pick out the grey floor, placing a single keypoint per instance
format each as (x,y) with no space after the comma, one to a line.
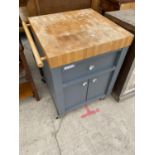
(108,132)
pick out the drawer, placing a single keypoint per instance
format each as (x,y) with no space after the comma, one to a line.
(75,94)
(89,66)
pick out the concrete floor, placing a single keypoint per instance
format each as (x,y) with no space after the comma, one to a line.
(108,132)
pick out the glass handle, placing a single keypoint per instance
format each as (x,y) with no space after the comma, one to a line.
(94,80)
(84,84)
(91,67)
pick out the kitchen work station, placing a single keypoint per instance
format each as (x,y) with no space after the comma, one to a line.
(83,53)
(75,58)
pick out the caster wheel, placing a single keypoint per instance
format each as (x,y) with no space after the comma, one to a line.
(57,117)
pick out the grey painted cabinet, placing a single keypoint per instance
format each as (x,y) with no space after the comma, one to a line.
(85,90)
(82,59)
(77,84)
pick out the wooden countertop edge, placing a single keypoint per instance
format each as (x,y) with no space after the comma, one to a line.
(76,56)
(72,57)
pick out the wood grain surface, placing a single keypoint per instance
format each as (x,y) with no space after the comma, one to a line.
(125,6)
(95,4)
(42,7)
(76,35)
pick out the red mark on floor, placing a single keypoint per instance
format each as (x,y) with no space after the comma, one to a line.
(89,112)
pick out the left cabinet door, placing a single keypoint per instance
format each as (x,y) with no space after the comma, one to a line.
(75,94)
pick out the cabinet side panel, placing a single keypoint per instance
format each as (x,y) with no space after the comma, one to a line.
(58,90)
(118,67)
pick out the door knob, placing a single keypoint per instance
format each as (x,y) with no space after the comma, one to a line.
(94,80)
(84,84)
(91,67)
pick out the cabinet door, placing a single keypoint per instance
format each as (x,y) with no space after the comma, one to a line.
(75,94)
(99,85)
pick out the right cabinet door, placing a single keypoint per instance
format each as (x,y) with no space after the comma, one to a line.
(98,85)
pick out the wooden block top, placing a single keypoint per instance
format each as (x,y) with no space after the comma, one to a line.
(76,35)
(125,18)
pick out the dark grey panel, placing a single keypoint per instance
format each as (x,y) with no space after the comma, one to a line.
(48,78)
(85,103)
(120,60)
(98,85)
(75,94)
(88,66)
(57,90)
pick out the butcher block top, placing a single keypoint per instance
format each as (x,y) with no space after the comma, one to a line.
(71,36)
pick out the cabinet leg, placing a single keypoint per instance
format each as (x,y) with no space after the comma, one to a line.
(41,72)
(58,117)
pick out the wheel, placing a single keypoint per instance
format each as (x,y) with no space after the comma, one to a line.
(57,117)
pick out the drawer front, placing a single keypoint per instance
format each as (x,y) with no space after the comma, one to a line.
(75,94)
(99,85)
(88,66)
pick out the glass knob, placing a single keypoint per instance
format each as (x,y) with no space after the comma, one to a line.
(91,67)
(94,80)
(84,84)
